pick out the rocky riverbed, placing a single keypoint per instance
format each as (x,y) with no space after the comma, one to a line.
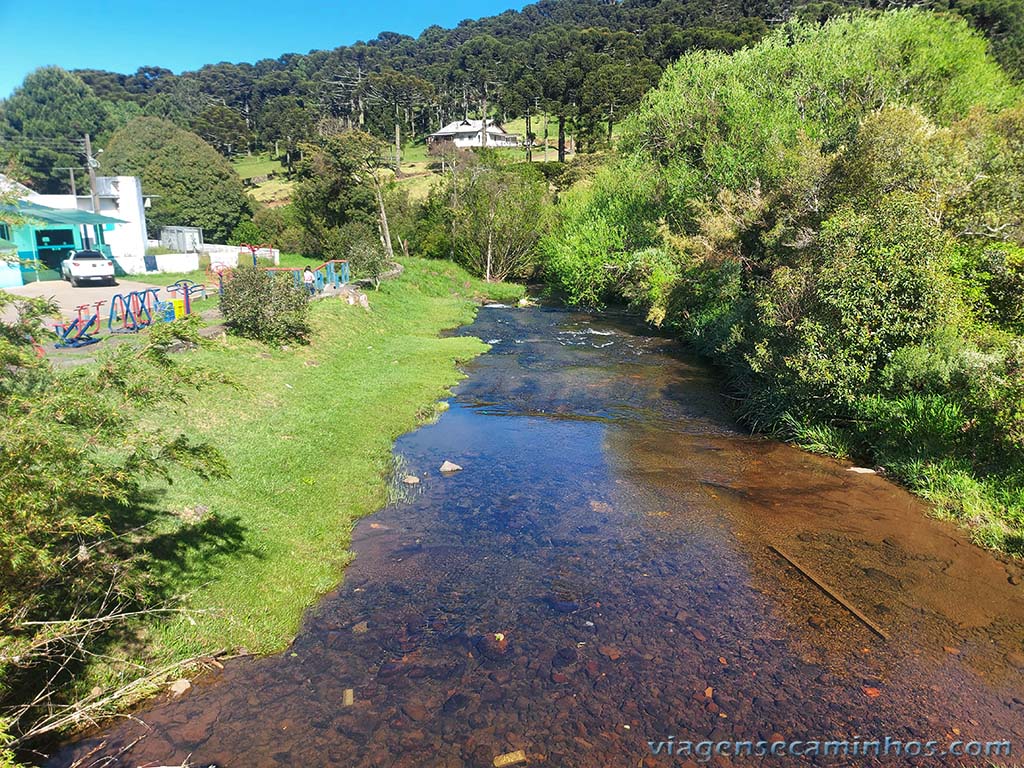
(603,576)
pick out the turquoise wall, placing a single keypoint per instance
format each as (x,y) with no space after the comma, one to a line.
(10,275)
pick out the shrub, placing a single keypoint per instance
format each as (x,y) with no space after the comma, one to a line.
(265,306)
(367,259)
(76,518)
(247,233)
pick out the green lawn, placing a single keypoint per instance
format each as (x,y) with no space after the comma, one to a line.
(419,186)
(308,436)
(248,166)
(273,191)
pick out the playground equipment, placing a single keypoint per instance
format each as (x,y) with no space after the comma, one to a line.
(187,289)
(222,272)
(134,310)
(79,332)
(254,249)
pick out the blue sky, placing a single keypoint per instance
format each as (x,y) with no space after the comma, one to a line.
(185,34)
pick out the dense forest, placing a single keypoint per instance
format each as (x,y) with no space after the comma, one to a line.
(587,63)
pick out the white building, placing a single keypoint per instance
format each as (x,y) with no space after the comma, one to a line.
(466,134)
(120,198)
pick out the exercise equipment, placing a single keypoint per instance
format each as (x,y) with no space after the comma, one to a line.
(334,272)
(134,310)
(79,332)
(187,289)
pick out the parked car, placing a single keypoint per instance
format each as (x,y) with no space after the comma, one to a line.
(87,267)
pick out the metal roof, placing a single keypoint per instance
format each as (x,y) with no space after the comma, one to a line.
(34,211)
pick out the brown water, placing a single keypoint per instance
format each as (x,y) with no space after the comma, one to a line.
(614,526)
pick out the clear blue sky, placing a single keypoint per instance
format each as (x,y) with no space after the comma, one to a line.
(185,34)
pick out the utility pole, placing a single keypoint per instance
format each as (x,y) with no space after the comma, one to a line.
(92,164)
(71,175)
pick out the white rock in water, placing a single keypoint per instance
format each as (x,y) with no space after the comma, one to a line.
(862,470)
(411,480)
(450,467)
(179,687)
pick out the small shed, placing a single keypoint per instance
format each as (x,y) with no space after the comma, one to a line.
(182,239)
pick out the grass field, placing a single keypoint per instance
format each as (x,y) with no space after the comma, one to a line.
(273,191)
(416,165)
(248,166)
(308,435)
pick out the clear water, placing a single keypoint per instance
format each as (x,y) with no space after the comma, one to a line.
(599,576)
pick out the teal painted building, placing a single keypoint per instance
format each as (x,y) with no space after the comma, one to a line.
(45,237)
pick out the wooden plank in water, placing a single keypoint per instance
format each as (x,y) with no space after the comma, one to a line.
(831,593)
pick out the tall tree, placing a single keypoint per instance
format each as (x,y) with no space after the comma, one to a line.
(497,216)
(43,123)
(223,128)
(342,185)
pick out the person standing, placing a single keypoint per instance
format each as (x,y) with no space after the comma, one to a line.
(309,280)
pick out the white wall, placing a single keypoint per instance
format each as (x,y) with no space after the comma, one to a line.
(120,198)
(126,241)
(177,262)
(220,255)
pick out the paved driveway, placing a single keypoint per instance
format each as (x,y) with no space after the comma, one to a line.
(69,298)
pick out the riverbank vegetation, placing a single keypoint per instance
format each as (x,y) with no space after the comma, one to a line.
(833,217)
(217,514)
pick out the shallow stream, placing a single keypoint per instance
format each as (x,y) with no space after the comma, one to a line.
(605,572)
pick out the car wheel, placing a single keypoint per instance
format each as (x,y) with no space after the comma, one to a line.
(73,280)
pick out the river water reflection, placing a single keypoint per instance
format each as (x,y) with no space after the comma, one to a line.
(601,575)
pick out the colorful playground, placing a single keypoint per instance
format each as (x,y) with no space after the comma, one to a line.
(90,314)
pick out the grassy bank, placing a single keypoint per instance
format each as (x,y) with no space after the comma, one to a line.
(307,435)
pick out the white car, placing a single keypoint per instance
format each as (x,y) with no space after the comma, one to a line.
(87,267)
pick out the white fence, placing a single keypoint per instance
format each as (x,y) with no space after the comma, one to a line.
(220,256)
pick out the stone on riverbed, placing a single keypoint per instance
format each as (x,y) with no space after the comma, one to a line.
(411,480)
(448,467)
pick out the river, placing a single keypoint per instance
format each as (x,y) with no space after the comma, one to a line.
(608,577)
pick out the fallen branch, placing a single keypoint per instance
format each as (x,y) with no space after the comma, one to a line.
(90,710)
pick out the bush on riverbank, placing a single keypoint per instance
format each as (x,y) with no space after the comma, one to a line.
(833,217)
(76,523)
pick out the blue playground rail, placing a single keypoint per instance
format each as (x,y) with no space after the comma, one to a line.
(334,272)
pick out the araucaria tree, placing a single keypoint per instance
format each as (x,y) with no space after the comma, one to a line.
(497,214)
(42,126)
